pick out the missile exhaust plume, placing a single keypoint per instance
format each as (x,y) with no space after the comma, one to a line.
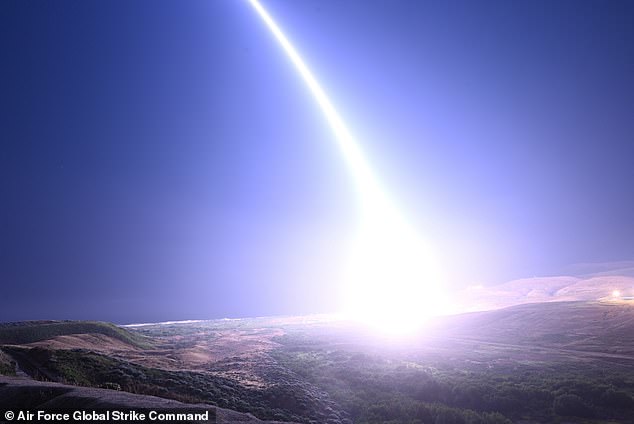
(391,276)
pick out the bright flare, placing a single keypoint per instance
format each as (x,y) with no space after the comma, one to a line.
(392,280)
(391,283)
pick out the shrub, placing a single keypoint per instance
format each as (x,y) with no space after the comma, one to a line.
(617,399)
(111,386)
(571,405)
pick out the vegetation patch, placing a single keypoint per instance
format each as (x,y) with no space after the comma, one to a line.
(7,365)
(290,400)
(380,389)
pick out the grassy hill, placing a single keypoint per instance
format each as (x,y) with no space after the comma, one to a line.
(606,327)
(35,331)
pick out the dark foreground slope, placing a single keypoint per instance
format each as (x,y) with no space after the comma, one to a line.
(24,394)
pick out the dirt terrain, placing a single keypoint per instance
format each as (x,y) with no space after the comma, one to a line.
(91,341)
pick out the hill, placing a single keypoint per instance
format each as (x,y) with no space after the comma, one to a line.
(587,288)
(606,327)
(36,331)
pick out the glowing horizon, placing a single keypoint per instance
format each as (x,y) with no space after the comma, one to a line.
(392,279)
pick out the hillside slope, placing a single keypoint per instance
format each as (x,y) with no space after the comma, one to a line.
(25,394)
(595,327)
(35,331)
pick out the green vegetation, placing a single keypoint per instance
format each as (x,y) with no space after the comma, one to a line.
(284,402)
(35,331)
(7,366)
(384,389)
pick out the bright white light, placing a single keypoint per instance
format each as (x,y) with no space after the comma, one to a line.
(350,149)
(616,293)
(392,280)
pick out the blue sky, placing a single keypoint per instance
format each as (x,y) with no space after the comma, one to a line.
(163,160)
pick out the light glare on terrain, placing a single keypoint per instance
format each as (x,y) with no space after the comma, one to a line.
(391,280)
